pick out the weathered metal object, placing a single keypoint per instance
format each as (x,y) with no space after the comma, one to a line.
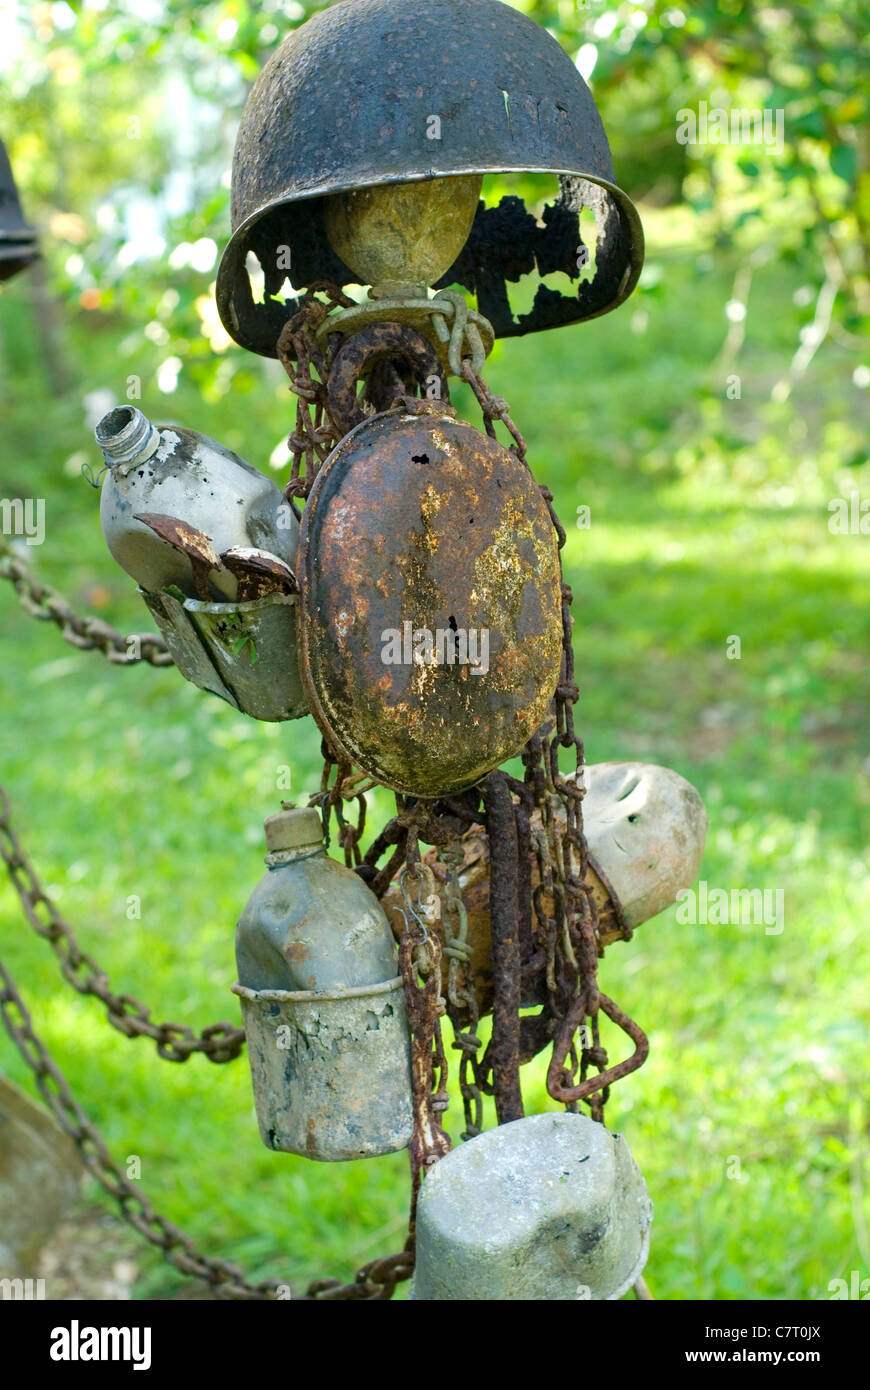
(550,1207)
(323,1004)
(645,828)
(18,245)
(193,543)
(450,328)
(375,92)
(504,948)
(39,1177)
(394,358)
(396,235)
(244,652)
(431,603)
(185,475)
(258,573)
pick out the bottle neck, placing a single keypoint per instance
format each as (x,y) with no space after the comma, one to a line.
(292,856)
(126,437)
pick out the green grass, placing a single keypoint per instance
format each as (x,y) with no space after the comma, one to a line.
(708,520)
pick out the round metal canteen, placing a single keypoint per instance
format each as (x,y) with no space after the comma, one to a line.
(431,604)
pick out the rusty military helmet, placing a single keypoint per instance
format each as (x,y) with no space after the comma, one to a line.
(370,93)
(431,632)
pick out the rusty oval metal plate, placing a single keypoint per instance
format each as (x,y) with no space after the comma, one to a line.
(431,603)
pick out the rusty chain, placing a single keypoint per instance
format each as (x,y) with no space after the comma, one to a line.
(570,936)
(87,633)
(220,1042)
(316,434)
(566,941)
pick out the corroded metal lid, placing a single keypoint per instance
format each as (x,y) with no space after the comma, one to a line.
(373,92)
(292,828)
(431,633)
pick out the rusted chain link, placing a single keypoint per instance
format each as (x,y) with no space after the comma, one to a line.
(220,1042)
(420,960)
(569,937)
(316,433)
(227,1279)
(504,1050)
(87,633)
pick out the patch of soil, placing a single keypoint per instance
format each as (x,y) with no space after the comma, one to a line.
(93,1257)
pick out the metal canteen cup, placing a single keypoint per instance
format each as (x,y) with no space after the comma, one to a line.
(323,1004)
(548,1207)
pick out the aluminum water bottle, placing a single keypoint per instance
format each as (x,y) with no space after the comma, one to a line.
(323,1003)
(179,473)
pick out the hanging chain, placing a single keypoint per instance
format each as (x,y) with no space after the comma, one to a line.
(375,1281)
(420,962)
(220,1042)
(567,939)
(227,1279)
(571,935)
(86,633)
(461,995)
(316,434)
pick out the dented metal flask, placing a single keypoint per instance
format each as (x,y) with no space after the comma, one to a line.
(212,543)
(323,1003)
(179,473)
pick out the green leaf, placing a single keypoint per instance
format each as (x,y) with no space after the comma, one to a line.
(844,162)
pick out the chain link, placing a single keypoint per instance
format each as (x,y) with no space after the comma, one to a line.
(87,633)
(220,1042)
(571,935)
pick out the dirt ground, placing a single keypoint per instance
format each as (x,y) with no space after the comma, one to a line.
(93,1257)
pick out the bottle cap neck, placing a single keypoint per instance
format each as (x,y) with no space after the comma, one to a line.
(294,828)
(277,857)
(126,437)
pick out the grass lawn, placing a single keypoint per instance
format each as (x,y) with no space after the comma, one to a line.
(708,521)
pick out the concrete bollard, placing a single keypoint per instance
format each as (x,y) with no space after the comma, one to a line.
(548,1207)
(39,1176)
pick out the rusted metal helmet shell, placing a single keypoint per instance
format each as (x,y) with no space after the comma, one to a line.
(415,523)
(347,102)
